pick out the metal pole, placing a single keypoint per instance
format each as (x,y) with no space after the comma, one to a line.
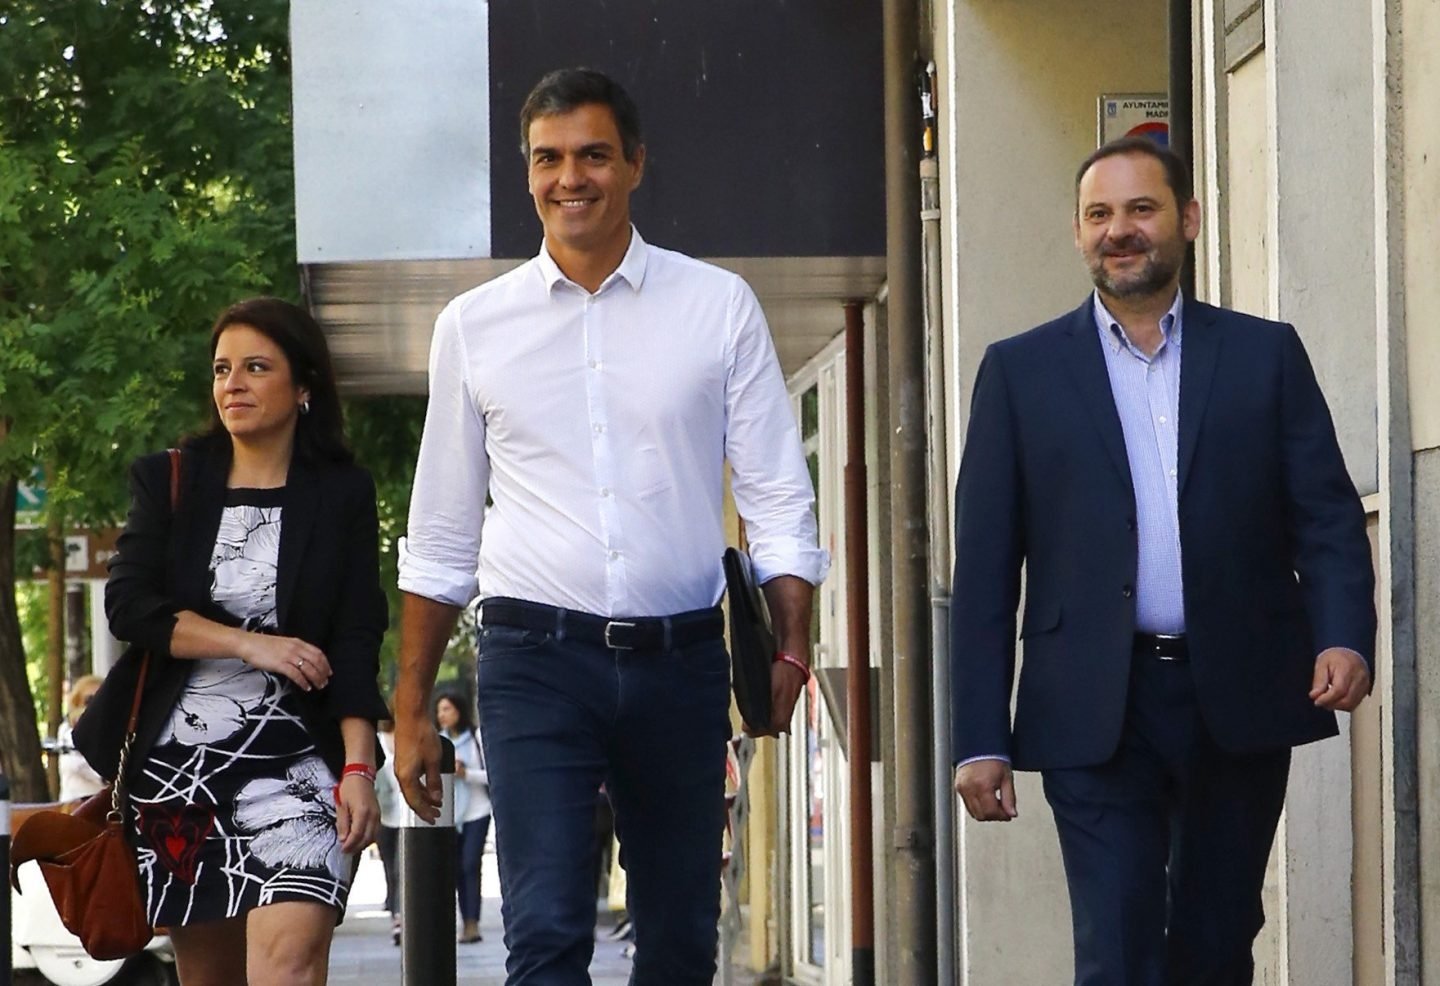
(938,487)
(5,917)
(912,845)
(857,669)
(1182,117)
(427,888)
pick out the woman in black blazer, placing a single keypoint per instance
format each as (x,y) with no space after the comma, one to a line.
(258,600)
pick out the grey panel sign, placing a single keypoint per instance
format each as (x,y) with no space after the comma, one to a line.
(392,129)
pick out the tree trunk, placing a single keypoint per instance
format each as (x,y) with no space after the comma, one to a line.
(55,645)
(19,733)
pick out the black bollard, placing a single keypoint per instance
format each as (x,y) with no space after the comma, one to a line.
(5,946)
(427,888)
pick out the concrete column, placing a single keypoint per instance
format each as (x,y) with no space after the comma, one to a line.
(1413,28)
(1323,247)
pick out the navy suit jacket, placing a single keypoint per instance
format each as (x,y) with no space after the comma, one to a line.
(1276,559)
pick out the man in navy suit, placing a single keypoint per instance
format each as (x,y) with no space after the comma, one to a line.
(1198,587)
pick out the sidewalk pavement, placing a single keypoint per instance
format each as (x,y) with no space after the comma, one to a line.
(363,952)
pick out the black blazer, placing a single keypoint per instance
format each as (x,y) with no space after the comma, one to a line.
(1276,560)
(328,593)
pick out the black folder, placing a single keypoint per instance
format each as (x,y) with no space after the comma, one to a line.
(752,642)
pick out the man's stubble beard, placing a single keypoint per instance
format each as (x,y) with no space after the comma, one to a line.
(1157,273)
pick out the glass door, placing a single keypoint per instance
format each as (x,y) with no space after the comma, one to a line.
(816,815)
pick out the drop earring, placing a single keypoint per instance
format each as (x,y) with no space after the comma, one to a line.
(305,406)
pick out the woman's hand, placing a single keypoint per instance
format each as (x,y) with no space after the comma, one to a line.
(303,663)
(357,813)
(459,770)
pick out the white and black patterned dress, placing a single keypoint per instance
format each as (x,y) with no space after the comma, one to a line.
(235,808)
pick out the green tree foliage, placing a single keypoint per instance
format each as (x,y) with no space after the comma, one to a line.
(385,433)
(144,183)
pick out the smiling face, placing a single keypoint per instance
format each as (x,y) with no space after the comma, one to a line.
(255,392)
(581,181)
(1130,229)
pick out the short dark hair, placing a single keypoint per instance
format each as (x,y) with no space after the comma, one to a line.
(320,433)
(567,89)
(1177,172)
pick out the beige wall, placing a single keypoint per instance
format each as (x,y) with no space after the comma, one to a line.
(1420,59)
(1247,223)
(1020,79)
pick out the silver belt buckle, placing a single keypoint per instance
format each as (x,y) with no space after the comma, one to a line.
(612,625)
(1168,636)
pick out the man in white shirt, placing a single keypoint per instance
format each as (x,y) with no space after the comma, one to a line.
(594,394)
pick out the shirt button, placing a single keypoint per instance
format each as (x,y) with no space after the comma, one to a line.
(1172,473)
(598,428)
(614,556)
(1162,419)
(1127,591)
(594,364)
(604,491)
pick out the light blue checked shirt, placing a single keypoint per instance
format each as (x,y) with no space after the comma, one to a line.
(1147,396)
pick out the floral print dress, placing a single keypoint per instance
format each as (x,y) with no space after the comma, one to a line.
(235,808)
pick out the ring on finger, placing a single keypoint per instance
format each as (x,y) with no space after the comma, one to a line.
(299,662)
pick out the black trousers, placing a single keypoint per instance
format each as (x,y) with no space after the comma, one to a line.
(388,842)
(1165,845)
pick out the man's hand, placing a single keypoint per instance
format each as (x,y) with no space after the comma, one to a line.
(425,628)
(1342,680)
(786,684)
(417,766)
(988,789)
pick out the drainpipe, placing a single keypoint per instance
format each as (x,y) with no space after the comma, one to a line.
(938,489)
(911,853)
(1182,114)
(857,668)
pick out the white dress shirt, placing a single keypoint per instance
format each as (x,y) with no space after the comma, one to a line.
(599,426)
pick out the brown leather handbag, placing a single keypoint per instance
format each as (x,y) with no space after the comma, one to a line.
(89,865)
(84,854)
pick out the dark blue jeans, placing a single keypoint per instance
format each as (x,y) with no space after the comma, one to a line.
(470,853)
(558,718)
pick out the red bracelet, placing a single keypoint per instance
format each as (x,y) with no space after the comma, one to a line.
(785,657)
(362,769)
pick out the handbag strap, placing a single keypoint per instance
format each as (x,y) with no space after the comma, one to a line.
(117,792)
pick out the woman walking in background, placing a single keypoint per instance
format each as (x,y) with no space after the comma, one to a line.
(472,806)
(77,778)
(392,811)
(258,598)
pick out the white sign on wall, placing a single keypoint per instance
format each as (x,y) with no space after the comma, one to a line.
(1134,115)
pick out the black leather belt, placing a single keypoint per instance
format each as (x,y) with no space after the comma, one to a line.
(1162,646)
(659,633)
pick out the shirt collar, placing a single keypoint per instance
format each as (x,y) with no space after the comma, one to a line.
(631,269)
(1171,326)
